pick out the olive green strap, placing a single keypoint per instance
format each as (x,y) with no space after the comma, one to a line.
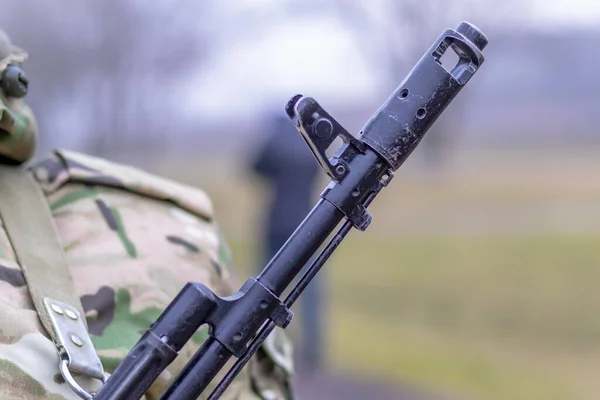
(31,230)
(30,227)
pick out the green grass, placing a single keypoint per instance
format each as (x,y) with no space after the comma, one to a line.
(483,284)
(487,318)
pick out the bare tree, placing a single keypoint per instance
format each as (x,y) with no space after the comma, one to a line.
(111,68)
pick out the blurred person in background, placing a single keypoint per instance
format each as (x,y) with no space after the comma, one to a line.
(286,163)
(125,242)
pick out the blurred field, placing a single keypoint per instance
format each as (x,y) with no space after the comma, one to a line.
(482,282)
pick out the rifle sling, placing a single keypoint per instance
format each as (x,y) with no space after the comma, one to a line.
(31,230)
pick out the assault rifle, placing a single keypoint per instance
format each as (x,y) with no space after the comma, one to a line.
(361,168)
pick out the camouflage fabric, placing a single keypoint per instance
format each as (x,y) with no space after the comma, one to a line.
(132,240)
(8,49)
(18,130)
(18,127)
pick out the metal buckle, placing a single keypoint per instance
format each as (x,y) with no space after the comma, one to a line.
(75,348)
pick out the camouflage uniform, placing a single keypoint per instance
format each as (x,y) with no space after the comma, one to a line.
(131,241)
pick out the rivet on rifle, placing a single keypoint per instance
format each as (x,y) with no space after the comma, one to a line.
(57,309)
(340,169)
(71,314)
(75,339)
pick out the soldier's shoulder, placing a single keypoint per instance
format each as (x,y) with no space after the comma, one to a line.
(64,166)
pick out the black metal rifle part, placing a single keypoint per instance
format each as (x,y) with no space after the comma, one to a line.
(361,167)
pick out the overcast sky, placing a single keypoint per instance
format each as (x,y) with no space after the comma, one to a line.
(567,12)
(318,59)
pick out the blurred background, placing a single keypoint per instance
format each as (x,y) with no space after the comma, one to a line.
(479,277)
